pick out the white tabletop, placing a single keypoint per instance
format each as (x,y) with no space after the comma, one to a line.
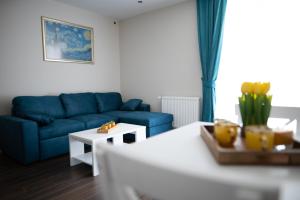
(184,150)
(92,135)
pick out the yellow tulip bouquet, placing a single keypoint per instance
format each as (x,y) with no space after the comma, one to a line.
(255,103)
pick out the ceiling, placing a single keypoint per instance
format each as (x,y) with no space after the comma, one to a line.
(121,9)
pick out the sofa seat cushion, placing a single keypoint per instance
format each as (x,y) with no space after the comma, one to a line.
(95,120)
(79,104)
(41,105)
(149,119)
(60,127)
(108,101)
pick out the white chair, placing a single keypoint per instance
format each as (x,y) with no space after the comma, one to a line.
(291,116)
(123,172)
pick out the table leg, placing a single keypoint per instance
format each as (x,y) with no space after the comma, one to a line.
(76,149)
(140,134)
(95,165)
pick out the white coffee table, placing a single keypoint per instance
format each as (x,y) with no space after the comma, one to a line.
(91,137)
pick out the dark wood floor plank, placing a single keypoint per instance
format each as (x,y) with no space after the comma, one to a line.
(51,179)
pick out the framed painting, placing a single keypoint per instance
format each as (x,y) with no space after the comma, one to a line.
(67,42)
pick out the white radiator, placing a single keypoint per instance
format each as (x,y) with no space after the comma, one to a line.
(184,109)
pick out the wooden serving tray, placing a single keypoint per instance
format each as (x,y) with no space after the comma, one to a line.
(239,155)
(104,131)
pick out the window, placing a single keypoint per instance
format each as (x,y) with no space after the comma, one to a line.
(261,43)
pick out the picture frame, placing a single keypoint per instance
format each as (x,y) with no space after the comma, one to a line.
(67,42)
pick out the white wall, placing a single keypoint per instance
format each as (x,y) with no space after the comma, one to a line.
(22,69)
(159,54)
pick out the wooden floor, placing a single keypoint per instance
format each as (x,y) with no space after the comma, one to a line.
(51,179)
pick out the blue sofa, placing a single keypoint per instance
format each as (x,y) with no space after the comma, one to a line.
(39,125)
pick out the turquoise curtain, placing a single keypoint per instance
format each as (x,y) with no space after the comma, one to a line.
(210,16)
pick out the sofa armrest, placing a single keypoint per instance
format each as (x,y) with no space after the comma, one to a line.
(144,107)
(19,139)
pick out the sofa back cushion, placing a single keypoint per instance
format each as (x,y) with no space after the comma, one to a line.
(131,105)
(108,101)
(42,105)
(79,104)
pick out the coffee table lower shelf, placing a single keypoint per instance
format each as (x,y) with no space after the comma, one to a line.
(85,158)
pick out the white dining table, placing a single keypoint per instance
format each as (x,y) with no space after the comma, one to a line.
(183,149)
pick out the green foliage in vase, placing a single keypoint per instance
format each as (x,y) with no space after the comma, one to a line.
(255,104)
